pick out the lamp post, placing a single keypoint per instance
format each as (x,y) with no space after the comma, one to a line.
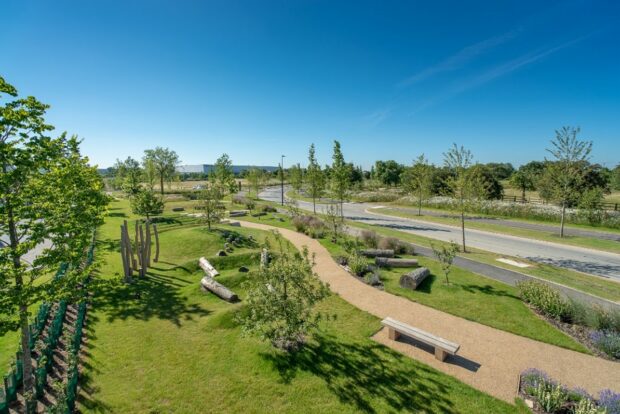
(282,177)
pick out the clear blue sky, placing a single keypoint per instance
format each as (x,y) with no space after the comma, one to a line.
(258,79)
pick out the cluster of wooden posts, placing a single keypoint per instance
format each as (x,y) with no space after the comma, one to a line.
(137,255)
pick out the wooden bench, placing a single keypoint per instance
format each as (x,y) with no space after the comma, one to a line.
(442,346)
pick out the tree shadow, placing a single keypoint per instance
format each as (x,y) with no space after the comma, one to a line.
(117,215)
(487,290)
(366,375)
(153,296)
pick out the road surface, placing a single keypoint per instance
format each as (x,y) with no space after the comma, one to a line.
(589,261)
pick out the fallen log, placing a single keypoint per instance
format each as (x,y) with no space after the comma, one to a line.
(377,252)
(414,278)
(389,262)
(207,267)
(238,213)
(210,284)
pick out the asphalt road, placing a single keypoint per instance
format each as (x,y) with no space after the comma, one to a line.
(569,231)
(584,260)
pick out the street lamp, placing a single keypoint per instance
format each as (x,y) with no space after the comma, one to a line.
(282,177)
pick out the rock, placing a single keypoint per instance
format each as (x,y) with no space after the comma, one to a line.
(222,253)
(244,269)
(414,278)
(178,209)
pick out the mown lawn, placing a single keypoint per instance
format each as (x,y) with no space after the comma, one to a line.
(162,345)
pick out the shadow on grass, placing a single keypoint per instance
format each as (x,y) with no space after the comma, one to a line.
(366,375)
(154,296)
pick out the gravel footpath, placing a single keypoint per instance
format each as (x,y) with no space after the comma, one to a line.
(489,359)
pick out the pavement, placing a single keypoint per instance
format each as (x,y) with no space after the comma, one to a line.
(489,359)
(581,259)
(569,231)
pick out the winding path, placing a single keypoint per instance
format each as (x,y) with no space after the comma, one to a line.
(489,359)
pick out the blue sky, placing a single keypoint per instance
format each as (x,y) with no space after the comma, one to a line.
(258,79)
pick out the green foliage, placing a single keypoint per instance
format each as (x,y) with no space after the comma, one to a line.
(210,204)
(357,263)
(315,179)
(445,253)
(418,180)
(281,300)
(500,170)
(256,179)
(296,177)
(333,217)
(545,299)
(310,225)
(369,238)
(163,161)
(388,172)
(550,397)
(339,176)
(615,178)
(590,206)
(222,175)
(128,176)
(145,203)
(457,161)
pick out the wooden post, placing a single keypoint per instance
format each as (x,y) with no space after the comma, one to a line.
(123,252)
(147,243)
(128,251)
(138,246)
(142,253)
(156,243)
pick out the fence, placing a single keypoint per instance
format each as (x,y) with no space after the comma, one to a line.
(529,200)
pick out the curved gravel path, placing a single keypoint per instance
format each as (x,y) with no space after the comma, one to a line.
(489,359)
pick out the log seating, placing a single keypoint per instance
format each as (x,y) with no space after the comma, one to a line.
(443,347)
(208,282)
(390,262)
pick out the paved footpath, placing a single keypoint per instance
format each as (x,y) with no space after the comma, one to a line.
(489,359)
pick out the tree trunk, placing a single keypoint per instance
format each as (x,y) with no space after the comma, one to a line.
(161,183)
(463,229)
(562,219)
(23,309)
(420,203)
(523,195)
(314,204)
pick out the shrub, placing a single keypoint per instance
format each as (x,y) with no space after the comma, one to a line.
(369,238)
(550,397)
(587,406)
(608,342)
(239,199)
(610,401)
(310,225)
(606,319)
(268,209)
(545,299)
(392,243)
(300,224)
(357,263)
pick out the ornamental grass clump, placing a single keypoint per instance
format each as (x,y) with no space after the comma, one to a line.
(357,263)
(545,299)
(369,238)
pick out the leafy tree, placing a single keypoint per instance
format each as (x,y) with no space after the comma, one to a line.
(567,173)
(356,175)
(458,160)
(128,176)
(296,177)
(590,205)
(51,200)
(150,173)
(418,180)
(256,179)
(223,177)
(339,177)
(210,202)
(333,216)
(164,161)
(445,254)
(146,203)
(281,300)
(315,179)
(483,184)
(500,170)
(523,180)
(388,172)
(615,178)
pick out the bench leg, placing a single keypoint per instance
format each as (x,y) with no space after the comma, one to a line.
(393,334)
(440,354)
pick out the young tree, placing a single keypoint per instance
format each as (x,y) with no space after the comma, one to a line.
(340,175)
(210,202)
(256,179)
(222,175)
(150,173)
(51,200)
(567,172)
(458,160)
(296,177)
(164,161)
(315,180)
(128,176)
(281,300)
(418,180)
(445,254)
(146,203)
(334,220)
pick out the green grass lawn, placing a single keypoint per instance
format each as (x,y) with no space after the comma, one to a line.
(162,345)
(589,242)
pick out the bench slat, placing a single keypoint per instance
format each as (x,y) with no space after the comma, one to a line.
(449,347)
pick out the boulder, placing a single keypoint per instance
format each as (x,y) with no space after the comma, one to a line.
(244,269)
(222,253)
